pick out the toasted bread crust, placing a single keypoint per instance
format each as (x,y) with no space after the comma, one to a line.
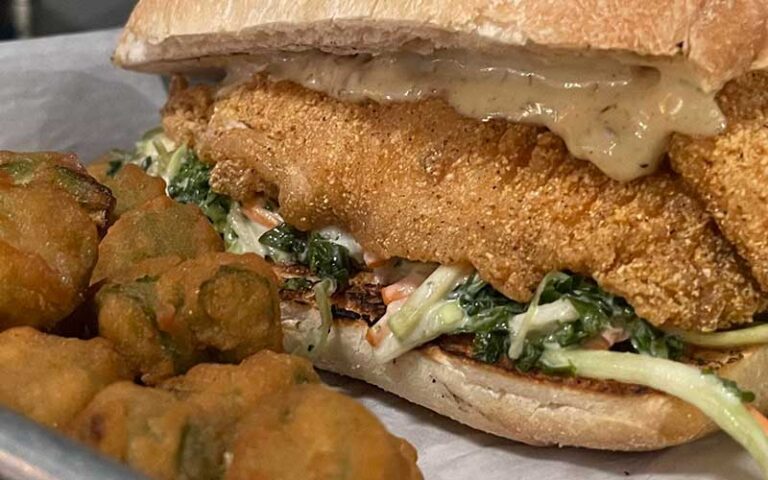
(721,40)
(526,408)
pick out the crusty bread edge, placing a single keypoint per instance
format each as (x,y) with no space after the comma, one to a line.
(721,40)
(518,407)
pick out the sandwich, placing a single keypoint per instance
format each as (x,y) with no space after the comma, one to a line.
(545,220)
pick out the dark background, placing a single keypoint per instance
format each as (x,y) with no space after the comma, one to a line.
(36,18)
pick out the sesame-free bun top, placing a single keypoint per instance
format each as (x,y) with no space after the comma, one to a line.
(720,39)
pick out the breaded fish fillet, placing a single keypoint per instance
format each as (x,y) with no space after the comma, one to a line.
(730,172)
(419,181)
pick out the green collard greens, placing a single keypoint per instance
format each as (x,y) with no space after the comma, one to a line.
(325,258)
(490,313)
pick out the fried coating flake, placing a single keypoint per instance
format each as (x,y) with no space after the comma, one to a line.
(159,228)
(50,379)
(315,433)
(219,306)
(419,181)
(184,429)
(60,171)
(131,186)
(729,172)
(48,248)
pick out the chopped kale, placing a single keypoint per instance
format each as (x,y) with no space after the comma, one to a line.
(529,359)
(476,297)
(286,239)
(325,258)
(489,347)
(328,259)
(744,395)
(651,341)
(192,185)
(113,167)
(298,284)
(490,313)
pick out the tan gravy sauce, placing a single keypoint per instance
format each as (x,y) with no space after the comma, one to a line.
(617,114)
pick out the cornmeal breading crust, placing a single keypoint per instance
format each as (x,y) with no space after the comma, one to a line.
(730,172)
(419,181)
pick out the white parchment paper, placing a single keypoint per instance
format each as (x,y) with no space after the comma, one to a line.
(62,93)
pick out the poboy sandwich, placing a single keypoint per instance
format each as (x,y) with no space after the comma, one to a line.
(546,220)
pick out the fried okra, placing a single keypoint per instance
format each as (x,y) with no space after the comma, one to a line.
(184,429)
(159,228)
(48,248)
(62,172)
(222,395)
(130,185)
(233,389)
(218,307)
(50,379)
(313,432)
(142,427)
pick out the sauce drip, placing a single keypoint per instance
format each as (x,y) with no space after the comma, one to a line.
(616,113)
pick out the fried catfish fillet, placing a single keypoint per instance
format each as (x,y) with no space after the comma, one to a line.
(419,181)
(730,172)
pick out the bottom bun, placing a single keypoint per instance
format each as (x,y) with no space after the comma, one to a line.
(527,408)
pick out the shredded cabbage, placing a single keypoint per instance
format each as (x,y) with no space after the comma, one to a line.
(442,318)
(434,289)
(518,330)
(323,291)
(707,392)
(733,339)
(546,316)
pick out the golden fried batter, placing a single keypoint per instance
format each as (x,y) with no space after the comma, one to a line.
(223,394)
(166,316)
(229,303)
(730,172)
(312,432)
(184,429)
(417,180)
(62,172)
(218,388)
(142,427)
(50,379)
(159,228)
(131,186)
(48,248)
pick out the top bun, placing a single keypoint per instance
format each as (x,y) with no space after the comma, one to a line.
(720,39)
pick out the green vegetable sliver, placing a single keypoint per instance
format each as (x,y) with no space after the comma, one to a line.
(706,392)
(735,338)
(444,317)
(520,331)
(323,291)
(434,289)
